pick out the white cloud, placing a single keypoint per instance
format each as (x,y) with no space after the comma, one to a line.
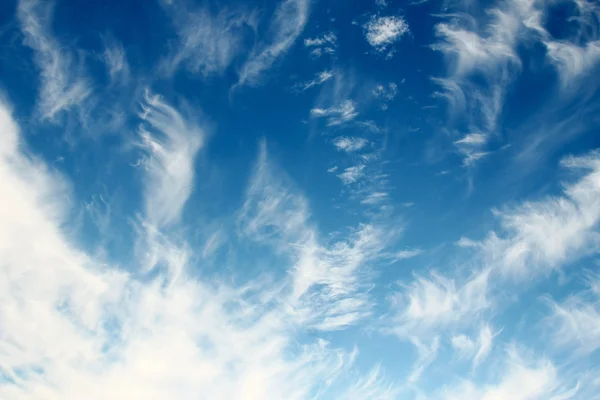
(573,61)
(349,144)
(520,378)
(488,52)
(325,44)
(319,79)
(382,32)
(386,94)
(287,24)
(352,174)
(427,355)
(575,322)
(327,39)
(470,147)
(107,334)
(329,281)
(372,386)
(63,84)
(171,143)
(576,56)
(336,115)
(537,237)
(375,198)
(208,42)
(486,341)
(429,304)
(116,61)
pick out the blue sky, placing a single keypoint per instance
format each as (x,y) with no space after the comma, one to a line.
(300,199)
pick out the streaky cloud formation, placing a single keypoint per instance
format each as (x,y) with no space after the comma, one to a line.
(171,144)
(63,84)
(208,42)
(286,25)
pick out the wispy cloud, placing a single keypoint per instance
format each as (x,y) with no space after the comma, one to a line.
(319,79)
(208,42)
(375,198)
(171,143)
(116,61)
(537,237)
(352,174)
(63,82)
(325,44)
(470,146)
(386,94)
(286,25)
(521,377)
(575,322)
(329,281)
(430,303)
(343,113)
(349,144)
(576,56)
(477,350)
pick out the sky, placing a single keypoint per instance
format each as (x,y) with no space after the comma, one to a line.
(300,199)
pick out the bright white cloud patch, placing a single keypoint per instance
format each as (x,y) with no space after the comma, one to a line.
(382,32)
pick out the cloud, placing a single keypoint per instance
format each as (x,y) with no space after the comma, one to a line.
(63,83)
(115,59)
(470,147)
(319,79)
(575,322)
(481,63)
(286,25)
(352,174)
(345,112)
(537,237)
(330,280)
(432,303)
(383,32)
(375,198)
(387,94)
(405,254)
(171,143)
(349,144)
(208,42)
(573,61)
(576,56)
(324,44)
(372,386)
(426,356)
(111,332)
(520,378)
